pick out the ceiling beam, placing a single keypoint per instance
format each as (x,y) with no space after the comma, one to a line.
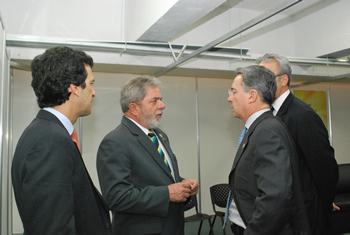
(328,79)
(229,35)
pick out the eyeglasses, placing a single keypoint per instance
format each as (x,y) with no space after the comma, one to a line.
(279,75)
(230,91)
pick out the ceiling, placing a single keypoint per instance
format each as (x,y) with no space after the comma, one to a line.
(150,36)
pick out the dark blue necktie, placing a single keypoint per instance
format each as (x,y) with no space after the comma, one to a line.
(230,197)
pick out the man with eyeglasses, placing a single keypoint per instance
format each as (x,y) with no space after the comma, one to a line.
(318,168)
(265,195)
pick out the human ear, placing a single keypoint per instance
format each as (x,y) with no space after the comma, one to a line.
(133,107)
(74,89)
(253,95)
(284,80)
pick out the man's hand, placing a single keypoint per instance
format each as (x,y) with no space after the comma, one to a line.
(179,192)
(335,207)
(194,186)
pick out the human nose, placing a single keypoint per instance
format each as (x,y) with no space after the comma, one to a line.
(93,92)
(161,105)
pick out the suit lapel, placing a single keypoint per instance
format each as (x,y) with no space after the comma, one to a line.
(281,112)
(52,118)
(146,142)
(245,140)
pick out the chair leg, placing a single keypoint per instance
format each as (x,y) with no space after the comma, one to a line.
(214,219)
(200,227)
(211,227)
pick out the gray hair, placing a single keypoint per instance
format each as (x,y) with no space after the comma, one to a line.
(261,79)
(282,61)
(135,90)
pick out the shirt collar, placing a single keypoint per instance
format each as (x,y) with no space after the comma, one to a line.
(278,103)
(144,129)
(253,117)
(63,119)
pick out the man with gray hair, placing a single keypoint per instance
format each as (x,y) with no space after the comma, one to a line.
(137,169)
(264,180)
(317,166)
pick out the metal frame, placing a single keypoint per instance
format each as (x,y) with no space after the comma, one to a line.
(198,146)
(176,58)
(329,115)
(5,142)
(147,49)
(229,35)
(1,122)
(328,79)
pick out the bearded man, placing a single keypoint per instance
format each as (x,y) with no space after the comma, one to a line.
(137,169)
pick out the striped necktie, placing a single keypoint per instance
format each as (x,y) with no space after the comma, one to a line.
(230,196)
(156,143)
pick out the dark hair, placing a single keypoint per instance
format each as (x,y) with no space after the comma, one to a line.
(135,90)
(261,79)
(282,61)
(53,72)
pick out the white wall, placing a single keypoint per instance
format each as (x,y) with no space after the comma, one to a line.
(218,129)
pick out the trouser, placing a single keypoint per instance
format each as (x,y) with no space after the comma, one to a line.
(237,230)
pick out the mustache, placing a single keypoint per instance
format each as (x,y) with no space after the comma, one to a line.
(158,113)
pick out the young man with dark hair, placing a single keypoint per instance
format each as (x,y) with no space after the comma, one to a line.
(53,190)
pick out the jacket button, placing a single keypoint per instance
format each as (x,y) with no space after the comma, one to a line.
(108,225)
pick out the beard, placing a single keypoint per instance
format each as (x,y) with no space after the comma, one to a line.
(151,120)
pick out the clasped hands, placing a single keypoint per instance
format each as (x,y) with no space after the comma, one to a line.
(179,192)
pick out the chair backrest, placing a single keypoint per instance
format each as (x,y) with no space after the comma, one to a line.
(219,194)
(343,185)
(192,202)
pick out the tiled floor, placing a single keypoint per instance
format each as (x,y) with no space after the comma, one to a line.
(192,228)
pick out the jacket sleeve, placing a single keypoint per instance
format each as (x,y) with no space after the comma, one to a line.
(47,176)
(319,155)
(273,175)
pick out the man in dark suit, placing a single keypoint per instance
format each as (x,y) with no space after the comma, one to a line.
(53,190)
(318,168)
(264,179)
(138,173)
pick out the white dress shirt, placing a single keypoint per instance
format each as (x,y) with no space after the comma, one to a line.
(64,120)
(278,103)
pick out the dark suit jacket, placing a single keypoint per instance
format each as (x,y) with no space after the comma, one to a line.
(318,168)
(134,181)
(53,190)
(265,183)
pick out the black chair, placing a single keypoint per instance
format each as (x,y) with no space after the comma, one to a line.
(192,203)
(340,219)
(219,194)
